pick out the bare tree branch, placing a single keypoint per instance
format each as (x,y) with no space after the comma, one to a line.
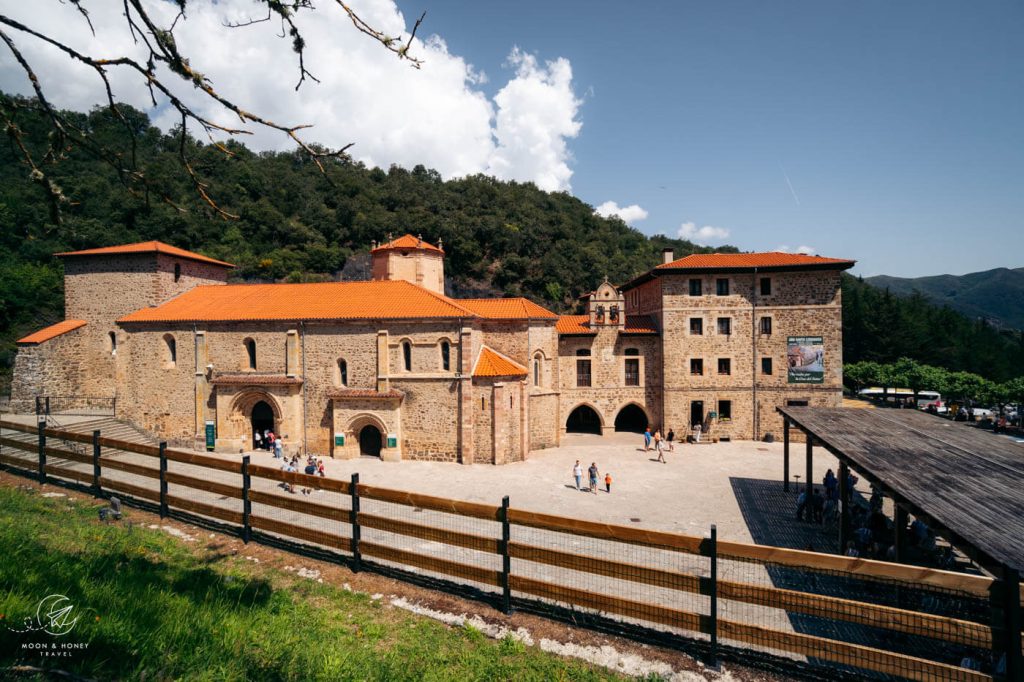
(161,49)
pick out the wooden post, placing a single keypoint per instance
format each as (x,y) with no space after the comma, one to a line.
(810,468)
(785,454)
(1012,624)
(163,479)
(96,464)
(357,559)
(713,612)
(506,559)
(42,451)
(844,506)
(900,521)
(246,502)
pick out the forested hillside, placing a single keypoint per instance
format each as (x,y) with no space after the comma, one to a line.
(995,295)
(297,224)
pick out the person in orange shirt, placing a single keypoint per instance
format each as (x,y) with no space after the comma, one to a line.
(607,482)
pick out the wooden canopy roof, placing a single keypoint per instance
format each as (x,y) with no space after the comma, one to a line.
(966,483)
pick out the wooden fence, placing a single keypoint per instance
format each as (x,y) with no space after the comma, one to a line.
(524,557)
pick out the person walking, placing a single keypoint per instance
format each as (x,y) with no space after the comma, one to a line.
(607,482)
(647,439)
(660,447)
(670,438)
(278,448)
(266,439)
(577,473)
(270,440)
(593,477)
(256,438)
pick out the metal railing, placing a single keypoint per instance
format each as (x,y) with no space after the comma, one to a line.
(77,405)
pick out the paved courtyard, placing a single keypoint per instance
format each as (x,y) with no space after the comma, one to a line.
(701,484)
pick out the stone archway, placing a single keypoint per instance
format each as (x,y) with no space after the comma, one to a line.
(253,410)
(371,441)
(631,418)
(583,419)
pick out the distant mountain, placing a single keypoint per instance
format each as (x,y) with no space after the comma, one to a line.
(994,295)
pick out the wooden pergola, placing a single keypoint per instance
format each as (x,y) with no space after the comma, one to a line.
(966,484)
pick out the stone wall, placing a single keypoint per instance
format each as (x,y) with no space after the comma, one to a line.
(53,368)
(545,424)
(608,393)
(801,304)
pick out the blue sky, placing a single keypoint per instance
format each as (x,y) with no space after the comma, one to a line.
(900,125)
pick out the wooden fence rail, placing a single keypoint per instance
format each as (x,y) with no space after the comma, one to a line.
(236,497)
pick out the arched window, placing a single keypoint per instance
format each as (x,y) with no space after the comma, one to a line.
(113,343)
(341,376)
(171,351)
(250,351)
(446,356)
(177,271)
(538,369)
(407,356)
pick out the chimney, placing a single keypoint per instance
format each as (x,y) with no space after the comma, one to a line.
(667,255)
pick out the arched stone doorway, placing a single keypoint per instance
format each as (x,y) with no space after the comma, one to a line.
(584,419)
(262,419)
(370,441)
(632,419)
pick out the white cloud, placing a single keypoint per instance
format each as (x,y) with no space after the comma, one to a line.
(629,214)
(703,235)
(437,116)
(536,113)
(804,249)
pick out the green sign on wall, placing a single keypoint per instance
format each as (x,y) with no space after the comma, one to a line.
(339,440)
(211,435)
(392,440)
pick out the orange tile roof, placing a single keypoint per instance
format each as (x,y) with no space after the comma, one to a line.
(639,324)
(319,301)
(53,331)
(506,308)
(574,324)
(580,324)
(407,242)
(772,259)
(146,247)
(491,363)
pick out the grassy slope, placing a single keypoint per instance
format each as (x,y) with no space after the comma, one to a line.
(151,606)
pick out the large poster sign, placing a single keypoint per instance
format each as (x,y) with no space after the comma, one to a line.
(805,359)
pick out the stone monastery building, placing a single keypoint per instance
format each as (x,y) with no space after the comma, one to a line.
(394,368)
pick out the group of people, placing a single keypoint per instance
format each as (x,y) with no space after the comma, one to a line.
(314,466)
(818,507)
(593,474)
(660,443)
(270,442)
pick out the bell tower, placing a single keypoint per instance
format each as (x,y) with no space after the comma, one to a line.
(411,259)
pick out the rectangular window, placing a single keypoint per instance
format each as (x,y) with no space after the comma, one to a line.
(796,403)
(696,326)
(632,372)
(725,325)
(696,367)
(724,366)
(695,287)
(724,409)
(583,373)
(766,286)
(766,365)
(722,287)
(766,325)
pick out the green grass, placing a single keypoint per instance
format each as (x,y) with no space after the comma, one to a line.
(153,607)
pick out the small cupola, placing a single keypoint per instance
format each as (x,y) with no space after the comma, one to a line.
(411,259)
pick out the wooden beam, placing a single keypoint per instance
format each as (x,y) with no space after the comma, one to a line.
(810,470)
(785,454)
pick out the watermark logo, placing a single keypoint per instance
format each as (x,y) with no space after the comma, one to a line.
(54,616)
